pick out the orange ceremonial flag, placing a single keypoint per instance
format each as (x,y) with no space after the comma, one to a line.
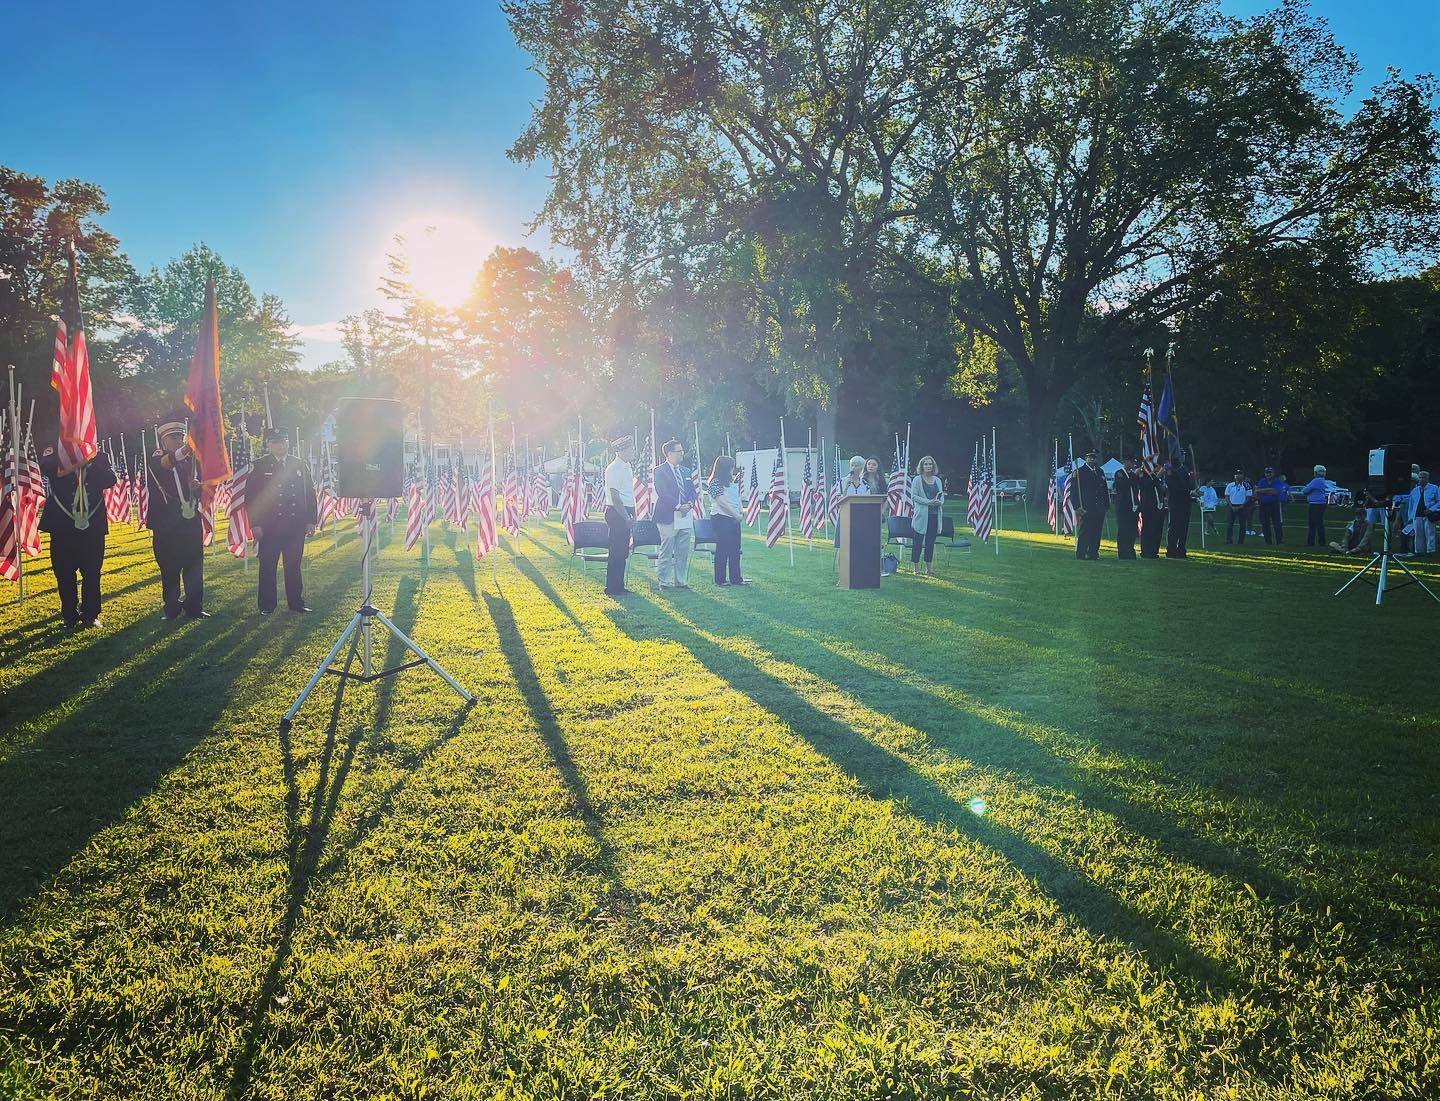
(202,396)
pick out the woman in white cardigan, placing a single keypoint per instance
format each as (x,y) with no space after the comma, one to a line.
(927,496)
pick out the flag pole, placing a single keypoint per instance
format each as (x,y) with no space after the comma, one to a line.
(785,468)
(809,447)
(824,492)
(995,488)
(15,487)
(495,553)
(698,470)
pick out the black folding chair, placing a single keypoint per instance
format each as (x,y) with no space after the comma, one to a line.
(703,537)
(947,539)
(645,535)
(899,531)
(590,536)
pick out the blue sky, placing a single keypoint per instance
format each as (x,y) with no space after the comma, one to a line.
(294,137)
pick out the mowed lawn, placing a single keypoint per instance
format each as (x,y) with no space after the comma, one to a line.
(1031,829)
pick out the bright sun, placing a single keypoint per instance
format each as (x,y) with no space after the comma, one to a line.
(445,254)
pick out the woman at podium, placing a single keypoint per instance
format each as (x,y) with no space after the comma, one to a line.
(855,483)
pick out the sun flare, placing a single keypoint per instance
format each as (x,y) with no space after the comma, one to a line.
(445,254)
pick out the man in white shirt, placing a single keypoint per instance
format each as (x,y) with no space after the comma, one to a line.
(619,513)
(1237,493)
(1425,507)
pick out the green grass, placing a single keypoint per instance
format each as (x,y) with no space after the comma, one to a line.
(721,843)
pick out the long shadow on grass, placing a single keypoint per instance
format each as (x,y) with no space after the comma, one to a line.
(1006,750)
(538,580)
(888,776)
(306,844)
(522,671)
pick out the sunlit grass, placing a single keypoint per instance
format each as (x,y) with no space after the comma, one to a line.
(1033,828)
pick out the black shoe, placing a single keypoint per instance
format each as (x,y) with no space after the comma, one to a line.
(169,615)
(722,584)
(197,615)
(267,611)
(95,623)
(303,608)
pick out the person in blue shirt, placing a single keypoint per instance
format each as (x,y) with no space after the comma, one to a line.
(1425,508)
(1270,492)
(1316,495)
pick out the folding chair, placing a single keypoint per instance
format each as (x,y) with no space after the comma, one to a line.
(947,539)
(646,534)
(702,538)
(590,536)
(899,531)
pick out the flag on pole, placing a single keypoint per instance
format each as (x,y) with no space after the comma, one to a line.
(32,498)
(70,377)
(898,487)
(485,540)
(1166,417)
(832,508)
(1067,499)
(643,482)
(541,503)
(9,518)
(779,497)
(1050,502)
(117,497)
(512,493)
(1145,418)
(752,505)
(205,433)
(807,502)
(414,510)
(985,507)
(329,503)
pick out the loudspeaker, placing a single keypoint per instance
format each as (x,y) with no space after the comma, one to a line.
(1389,470)
(369,448)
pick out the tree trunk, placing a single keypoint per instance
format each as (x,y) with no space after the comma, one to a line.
(1040,426)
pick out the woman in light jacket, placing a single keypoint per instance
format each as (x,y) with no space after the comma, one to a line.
(927,496)
(855,484)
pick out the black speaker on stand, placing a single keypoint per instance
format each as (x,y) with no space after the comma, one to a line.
(370,463)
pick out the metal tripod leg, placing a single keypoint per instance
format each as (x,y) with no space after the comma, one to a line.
(320,672)
(1415,579)
(1361,572)
(423,656)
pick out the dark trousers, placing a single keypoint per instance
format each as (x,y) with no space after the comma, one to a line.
(925,544)
(1151,532)
(272,545)
(1179,531)
(180,555)
(1271,524)
(1087,538)
(619,552)
(1238,515)
(82,553)
(1315,533)
(727,550)
(1125,531)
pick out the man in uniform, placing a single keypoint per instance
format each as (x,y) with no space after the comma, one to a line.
(280,496)
(1092,502)
(1179,485)
(74,515)
(174,520)
(619,514)
(1127,502)
(1152,513)
(1270,494)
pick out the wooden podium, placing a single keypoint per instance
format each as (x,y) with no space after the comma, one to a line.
(859,559)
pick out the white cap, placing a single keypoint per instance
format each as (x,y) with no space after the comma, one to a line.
(1319,469)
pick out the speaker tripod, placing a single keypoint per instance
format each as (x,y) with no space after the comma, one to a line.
(1384,557)
(363,621)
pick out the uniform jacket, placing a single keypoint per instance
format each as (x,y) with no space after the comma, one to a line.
(1127,496)
(99,476)
(166,499)
(1087,489)
(281,499)
(1178,484)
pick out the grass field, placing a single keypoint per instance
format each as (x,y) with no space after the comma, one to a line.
(1031,829)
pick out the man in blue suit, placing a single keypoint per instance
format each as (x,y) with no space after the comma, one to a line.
(674,498)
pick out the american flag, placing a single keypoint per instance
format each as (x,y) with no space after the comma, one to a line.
(10,524)
(752,504)
(898,487)
(32,499)
(329,503)
(597,497)
(779,497)
(570,498)
(431,511)
(512,494)
(142,488)
(207,515)
(697,506)
(643,482)
(445,489)
(461,516)
(1145,418)
(117,497)
(392,509)
(238,534)
(985,499)
(414,510)
(832,507)
(807,502)
(70,376)
(1050,503)
(485,511)
(540,492)
(822,514)
(1067,500)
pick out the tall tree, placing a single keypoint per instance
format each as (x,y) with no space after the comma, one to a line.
(1138,151)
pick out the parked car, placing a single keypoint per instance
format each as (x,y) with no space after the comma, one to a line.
(1011,489)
